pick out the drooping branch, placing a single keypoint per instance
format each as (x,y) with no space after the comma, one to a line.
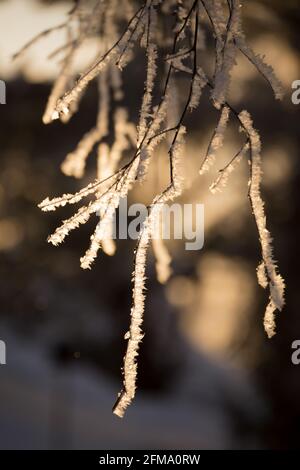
(121,29)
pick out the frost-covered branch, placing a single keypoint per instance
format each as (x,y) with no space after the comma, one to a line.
(125,30)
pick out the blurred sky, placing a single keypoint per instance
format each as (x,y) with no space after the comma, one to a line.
(36,17)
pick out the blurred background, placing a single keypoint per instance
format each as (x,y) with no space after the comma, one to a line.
(208,376)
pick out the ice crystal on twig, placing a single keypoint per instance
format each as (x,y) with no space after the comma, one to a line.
(267,271)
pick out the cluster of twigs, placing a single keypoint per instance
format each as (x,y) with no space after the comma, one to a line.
(121,27)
